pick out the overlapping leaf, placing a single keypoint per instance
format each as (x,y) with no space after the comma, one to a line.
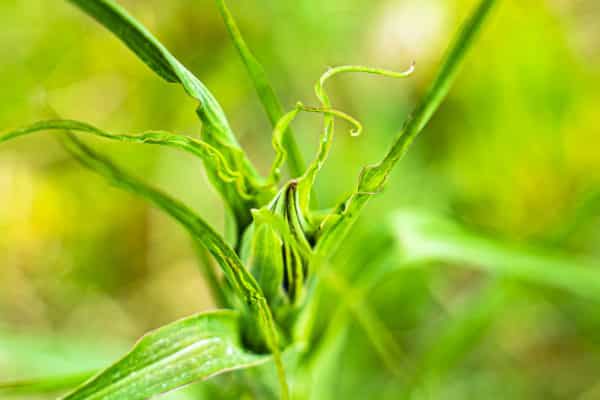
(244,285)
(216,130)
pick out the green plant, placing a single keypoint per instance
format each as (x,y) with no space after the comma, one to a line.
(275,261)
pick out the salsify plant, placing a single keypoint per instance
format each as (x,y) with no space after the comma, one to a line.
(274,258)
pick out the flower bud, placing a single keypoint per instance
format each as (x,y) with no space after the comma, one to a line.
(274,249)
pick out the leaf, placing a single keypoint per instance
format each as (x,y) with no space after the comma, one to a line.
(282,126)
(265,91)
(133,34)
(424,237)
(191,349)
(203,150)
(216,130)
(306,182)
(200,230)
(373,177)
(241,280)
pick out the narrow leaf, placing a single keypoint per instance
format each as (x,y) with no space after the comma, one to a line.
(133,34)
(243,283)
(216,130)
(373,177)
(265,91)
(211,156)
(424,237)
(175,355)
(200,230)
(306,182)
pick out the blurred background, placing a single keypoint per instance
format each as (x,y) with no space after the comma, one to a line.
(514,152)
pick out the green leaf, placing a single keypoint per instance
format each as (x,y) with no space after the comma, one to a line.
(424,238)
(200,230)
(373,177)
(110,14)
(306,182)
(264,257)
(243,283)
(203,150)
(177,354)
(265,91)
(216,130)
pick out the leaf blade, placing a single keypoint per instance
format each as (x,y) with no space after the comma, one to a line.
(211,157)
(264,90)
(373,177)
(177,354)
(244,285)
(424,238)
(216,129)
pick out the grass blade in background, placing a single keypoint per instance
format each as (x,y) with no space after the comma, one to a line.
(265,91)
(424,237)
(177,354)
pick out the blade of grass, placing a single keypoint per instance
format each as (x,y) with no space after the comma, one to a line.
(427,238)
(243,283)
(188,350)
(216,130)
(374,177)
(307,181)
(207,153)
(135,36)
(264,89)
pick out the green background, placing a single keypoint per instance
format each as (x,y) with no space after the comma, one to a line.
(514,152)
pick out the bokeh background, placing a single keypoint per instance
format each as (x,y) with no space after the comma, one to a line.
(513,152)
